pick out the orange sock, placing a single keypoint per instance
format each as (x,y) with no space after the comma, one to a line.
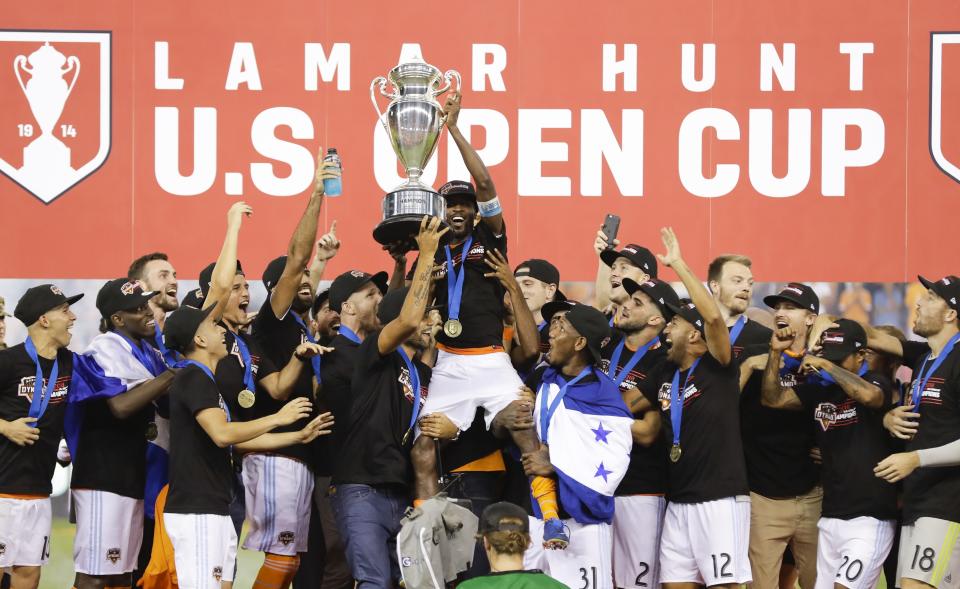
(545,492)
(418,502)
(277,571)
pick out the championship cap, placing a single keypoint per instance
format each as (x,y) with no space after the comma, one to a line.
(504,517)
(273,272)
(182,325)
(40,299)
(322,297)
(458,187)
(947,288)
(846,338)
(206,275)
(658,290)
(688,311)
(638,255)
(592,325)
(121,294)
(349,282)
(194,299)
(543,271)
(797,293)
(553,307)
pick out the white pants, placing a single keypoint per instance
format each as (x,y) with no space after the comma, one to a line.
(850,552)
(460,383)
(24,532)
(204,548)
(637,524)
(586,563)
(706,542)
(930,552)
(109,532)
(278,494)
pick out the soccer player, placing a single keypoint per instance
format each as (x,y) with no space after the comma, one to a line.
(539,282)
(847,403)
(633,261)
(326,321)
(35,378)
(707,520)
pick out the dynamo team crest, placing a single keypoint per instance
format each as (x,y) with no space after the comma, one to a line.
(56,107)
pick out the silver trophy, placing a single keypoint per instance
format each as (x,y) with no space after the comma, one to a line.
(414,121)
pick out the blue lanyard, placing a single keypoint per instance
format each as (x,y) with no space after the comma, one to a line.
(454,280)
(545,413)
(144,354)
(676,400)
(920,383)
(315,361)
(349,334)
(41,394)
(823,378)
(619,377)
(206,370)
(414,384)
(737,328)
(248,381)
(790,364)
(169,357)
(540,326)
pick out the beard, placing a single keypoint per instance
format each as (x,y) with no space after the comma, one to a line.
(299,305)
(167,303)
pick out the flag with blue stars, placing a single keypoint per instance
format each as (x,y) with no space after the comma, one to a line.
(589,439)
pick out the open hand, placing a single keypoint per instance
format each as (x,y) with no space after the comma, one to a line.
(672,245)
(294,411)
(897,467)
(428,239)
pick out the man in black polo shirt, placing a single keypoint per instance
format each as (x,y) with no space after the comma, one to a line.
(707,522)
(31,424)
(847,404)
(930,418)
(633,355)
(196,516)
(110,455)
(372,475)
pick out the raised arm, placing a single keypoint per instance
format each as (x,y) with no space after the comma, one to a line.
(486,191)
(524,323)
(748,366)
(858,389)
(221,280)
(415,304)
(327,248)
(715,328)
(227,433)
(601,298)
(773,394)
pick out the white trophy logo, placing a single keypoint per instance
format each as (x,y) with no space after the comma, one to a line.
(47,79)
(937,42)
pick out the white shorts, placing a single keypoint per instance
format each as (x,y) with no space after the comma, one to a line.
(850,552)
(707,542)
(462,382)
(585,563)
(930,552)
(637,524)
(24,532)
(278,492)
(109,532)
(204,548)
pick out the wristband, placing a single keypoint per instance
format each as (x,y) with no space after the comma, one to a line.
(490,208)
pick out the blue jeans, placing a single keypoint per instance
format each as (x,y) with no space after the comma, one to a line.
(369,521)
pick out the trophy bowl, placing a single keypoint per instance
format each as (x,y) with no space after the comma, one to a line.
(413,122)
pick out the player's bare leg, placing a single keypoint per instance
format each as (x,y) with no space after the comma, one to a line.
(425,476)
(24,577)
(84,581)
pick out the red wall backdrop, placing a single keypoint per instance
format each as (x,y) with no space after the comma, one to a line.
(895,218)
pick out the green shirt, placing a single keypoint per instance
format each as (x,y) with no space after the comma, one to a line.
(533,579)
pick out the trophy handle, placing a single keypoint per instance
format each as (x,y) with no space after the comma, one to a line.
(72,64)
(382,83)
(18,63)
(447,77)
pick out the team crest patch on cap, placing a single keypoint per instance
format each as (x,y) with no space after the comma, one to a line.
(946,281)
(217,573)
(356,273)
(630,249)
(605,341)
(56,290)
(113,555)
(285,538)
(128,288)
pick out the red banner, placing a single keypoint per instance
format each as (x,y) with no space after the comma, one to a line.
(820,138)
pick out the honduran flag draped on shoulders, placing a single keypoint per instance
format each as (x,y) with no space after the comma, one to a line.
(588,432)
(110,366)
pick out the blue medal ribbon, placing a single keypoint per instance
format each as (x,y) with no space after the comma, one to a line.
(414,384)
(791,365)
(676,400)
(920,383)
(248,381)
(737,329)
(545,412)
(349,334)
(455,281)
(41,394)
(619,377)
(206,370)
(169,356)
(540,326)
(315,361)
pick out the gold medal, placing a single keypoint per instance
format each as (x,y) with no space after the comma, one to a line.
(151,432)
(453,328)
(246,398)
(675,453)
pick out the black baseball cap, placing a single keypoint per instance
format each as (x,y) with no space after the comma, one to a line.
(947,288)
(848,337)
(459,188)
(194,299)
(592,325)
(638,255)
(553,307)
(504,517)
(273,272)
(40,299)
(797,293)
(543,271)
(658,290)
(321,298)
(206,275)
(688,311)
(121,294)
(182,325)
(349,282)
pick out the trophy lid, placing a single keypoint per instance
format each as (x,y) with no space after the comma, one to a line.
(414,71)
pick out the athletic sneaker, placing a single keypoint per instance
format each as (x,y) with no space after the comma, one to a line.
(556,535)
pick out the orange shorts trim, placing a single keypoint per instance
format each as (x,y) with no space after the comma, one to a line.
(492,462)
(30,497)
(470,351)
